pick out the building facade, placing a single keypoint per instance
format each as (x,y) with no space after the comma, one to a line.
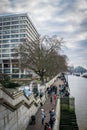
(14,29)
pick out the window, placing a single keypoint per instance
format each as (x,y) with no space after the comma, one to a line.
(22,35)
(15,22)
(12,50)
(0,24)
(15,71)
(5,46)
(22,30)
(6,65)
(22,22)
(14,18)
(5,55)
(13,45)
(15,27)
(14,31)
(0,19)
(6,19)
(5,28)
(22,26)
(15,40)
(6,36)
(15,76)
(14,55)
(6,32)
(6,23)
(6,70)
(5,50)
(14,36)
(6,41)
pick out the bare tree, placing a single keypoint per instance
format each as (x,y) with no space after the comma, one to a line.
(42,56)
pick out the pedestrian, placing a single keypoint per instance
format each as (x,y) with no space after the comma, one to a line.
(46,126)
(43,115)
(54,99)
(52,117)
(51,99)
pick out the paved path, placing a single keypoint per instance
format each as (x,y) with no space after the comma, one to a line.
(47,106)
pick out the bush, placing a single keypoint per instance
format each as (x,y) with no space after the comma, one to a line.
(12,85)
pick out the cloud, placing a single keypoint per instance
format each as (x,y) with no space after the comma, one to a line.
(67,19)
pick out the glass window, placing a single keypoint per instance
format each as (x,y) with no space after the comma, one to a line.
(14,27)
(14,18)
(6,61)
(14,36)
(14,45)
(22,22)
(6,19)
(15,76)
(22,40)
(7,65)
(6,41)
(14,55)
(6,23)
(6,32)
(15,22)
(22,17)
(5,46)
(5,50)
(22,26)
(0,70)
(13,50)
(15,40)
(6,70)
(22,35)
(22,30)
(0,24)
(15,70)
(5,28)
(6,36)
(0,19)
(5,55)
(14,31)
(0,28)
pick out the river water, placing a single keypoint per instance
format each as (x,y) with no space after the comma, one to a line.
(78,89)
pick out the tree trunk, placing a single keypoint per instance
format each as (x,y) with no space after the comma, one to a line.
(42,79)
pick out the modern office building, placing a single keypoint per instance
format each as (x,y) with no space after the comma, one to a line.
(14,29)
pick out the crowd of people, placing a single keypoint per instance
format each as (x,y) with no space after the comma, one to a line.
(53,93)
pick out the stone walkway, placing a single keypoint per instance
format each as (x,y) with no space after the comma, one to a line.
(47,106)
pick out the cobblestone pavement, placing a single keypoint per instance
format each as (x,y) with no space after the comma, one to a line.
(47,106)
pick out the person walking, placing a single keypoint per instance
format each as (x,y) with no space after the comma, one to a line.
(54,99)
(43,115)
(51,99)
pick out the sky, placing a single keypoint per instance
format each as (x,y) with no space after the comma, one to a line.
(65,18)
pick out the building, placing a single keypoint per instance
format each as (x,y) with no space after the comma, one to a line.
(14,29)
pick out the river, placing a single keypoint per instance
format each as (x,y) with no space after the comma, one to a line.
(78,89)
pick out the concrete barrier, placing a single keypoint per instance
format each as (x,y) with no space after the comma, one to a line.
(57,121)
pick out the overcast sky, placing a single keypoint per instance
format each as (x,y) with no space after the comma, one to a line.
(65,18)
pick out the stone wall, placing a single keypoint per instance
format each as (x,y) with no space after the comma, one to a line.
(16,109)
(16,120)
